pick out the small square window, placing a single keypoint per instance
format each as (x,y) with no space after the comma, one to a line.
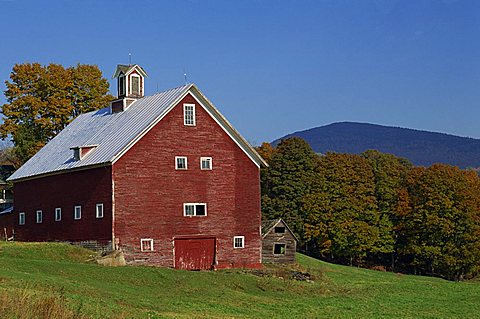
(99,210)
(58,214)
(21,219)
(77,212)
(146,244)
(239,242)
(279,230)
(205,163)
(39,216)
(194,209)
(279,249)
(189,114)
(180,162)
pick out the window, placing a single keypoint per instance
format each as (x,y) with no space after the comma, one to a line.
(194,209)
(239,242)
(58,214)
(135,84)
(146,244)
(279,230)
(279,249)
(39,216)
(121,85)
(180,162)
(77,212)
(205,163)
(21,219)
(189,114)
(99,210)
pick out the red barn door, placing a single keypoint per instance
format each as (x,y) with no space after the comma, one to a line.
(194,253)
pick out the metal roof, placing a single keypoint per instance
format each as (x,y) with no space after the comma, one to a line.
(113,134)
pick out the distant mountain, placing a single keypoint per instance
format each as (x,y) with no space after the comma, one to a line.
(420,147)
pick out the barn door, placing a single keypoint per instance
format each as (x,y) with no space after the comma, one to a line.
(194,253)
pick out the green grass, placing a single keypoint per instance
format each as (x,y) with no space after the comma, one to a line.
(30,273)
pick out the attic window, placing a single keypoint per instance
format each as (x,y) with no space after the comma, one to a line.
(189,114)
(279,230)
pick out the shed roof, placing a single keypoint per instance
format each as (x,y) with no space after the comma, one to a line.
(268,225)
(115,133)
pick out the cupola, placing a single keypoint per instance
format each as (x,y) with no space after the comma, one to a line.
(130,86)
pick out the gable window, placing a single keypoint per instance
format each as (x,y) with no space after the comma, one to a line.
(99,210)
(194,209)
(205,163)
(58,214)
(134,84)
(39,216)
(77,212)
(146,244)
(239,242)
(279,249)
(189,114)
(180,162)
(21,219)
(279,230)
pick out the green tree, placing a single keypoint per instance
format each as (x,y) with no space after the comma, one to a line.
(42,100)
(342,219)
(442,231)
(288,179)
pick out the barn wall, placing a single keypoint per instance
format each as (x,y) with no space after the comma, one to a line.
(271,239)
(149,192)
(85,188)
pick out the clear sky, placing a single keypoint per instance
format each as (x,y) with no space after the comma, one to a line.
(274,67)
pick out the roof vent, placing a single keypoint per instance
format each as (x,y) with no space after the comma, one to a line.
(130,86)
(79,152)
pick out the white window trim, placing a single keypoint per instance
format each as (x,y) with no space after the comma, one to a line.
(193,113)
(75,212)
(21,218)
(194,209)
(176,162)
(130,83)
(38,213)
(239,237)
(206,159)
(59,216)
(143,240)
(97,215)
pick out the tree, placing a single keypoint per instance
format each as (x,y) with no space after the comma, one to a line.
(442,231)
(342,219)
(42,100)
(288,179)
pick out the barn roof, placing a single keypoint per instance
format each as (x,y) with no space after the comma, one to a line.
(268,225)
(114,133)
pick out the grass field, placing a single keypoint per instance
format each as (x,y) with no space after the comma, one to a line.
(57,281)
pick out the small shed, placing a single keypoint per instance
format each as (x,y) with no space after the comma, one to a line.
(279,244)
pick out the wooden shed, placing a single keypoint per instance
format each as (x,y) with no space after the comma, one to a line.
(279,244)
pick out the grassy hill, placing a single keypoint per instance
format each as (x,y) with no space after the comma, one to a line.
(420,147)
(51,280)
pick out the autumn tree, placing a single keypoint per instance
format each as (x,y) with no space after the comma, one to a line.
(42,100)
(288,179)
(442,231)
(342,219)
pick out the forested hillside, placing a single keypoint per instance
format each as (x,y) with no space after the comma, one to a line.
(420,147)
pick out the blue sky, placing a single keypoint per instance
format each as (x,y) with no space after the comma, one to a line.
(274,67)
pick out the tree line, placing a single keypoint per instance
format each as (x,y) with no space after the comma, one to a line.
(375,209)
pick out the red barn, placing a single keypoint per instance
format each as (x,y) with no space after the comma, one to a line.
(165,178)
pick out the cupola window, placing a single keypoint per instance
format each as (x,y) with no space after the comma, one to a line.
(135,84)
(121,85)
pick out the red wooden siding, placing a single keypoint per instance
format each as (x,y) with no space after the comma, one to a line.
(85,188)
(194,253)
(149,193)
